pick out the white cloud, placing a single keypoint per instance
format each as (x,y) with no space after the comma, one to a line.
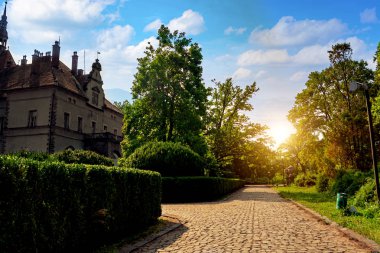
(261,73)
(238,31)
(53,18)
(310,55)
(190,22)
(224,58)
(315,54)
(241,73)
(69,10)
(153,26)
(131,53)
(368,16)
(260,57)
(299,76)
(116,37)
(289,32)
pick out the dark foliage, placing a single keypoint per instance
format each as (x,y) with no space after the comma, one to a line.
(192,189)
(82,157)
(168,158)
(322,183)
(349,181)
(57,207)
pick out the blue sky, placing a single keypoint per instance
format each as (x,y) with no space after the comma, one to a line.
(275,43)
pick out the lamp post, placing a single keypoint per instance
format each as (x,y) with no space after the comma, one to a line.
(353,87)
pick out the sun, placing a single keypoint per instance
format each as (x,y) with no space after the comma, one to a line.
(280,132)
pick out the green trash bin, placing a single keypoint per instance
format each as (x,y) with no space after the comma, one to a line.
(341,200)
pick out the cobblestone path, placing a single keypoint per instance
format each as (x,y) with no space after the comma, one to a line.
(254,219)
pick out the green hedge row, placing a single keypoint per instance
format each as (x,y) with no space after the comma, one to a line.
(82,156)
(193,189)
(57,207)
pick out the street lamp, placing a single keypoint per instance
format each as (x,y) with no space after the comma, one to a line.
(353,87)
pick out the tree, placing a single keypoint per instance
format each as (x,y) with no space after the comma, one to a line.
(326,110)
(232,138)
(169,95)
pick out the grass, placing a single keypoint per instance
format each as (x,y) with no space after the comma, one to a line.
(324,204)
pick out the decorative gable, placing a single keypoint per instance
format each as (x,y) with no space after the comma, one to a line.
(94,88)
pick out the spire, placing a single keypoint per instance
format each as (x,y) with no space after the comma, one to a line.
(5,11)
(3,28)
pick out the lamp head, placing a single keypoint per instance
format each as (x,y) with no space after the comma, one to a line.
(353,86)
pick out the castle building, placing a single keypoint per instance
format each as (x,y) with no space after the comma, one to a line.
(46,106)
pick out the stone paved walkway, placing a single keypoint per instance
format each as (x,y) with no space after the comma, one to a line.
(254,219)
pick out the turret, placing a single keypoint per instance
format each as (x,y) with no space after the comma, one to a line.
(3,28)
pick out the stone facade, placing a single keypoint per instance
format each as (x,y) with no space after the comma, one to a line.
(46,106)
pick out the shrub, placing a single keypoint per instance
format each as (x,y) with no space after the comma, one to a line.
(322,183)
(57,207)
(82,157)
(348,181)
(191,189)
(305,180)
(278,179)
(37,156)
(366,194)
(168,158)
(372,211)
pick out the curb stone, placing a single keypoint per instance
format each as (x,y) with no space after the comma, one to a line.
(135,246)
(363,241)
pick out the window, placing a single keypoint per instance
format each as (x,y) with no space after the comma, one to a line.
(115,131)
(66,120)
(95,97)
(32,118)
(105,128)
(2,123)
(93,126)
(80,124)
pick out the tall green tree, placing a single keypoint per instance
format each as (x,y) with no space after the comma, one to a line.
(232,138)
(326,110)
(169,95)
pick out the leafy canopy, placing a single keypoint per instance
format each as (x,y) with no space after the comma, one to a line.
(169,95)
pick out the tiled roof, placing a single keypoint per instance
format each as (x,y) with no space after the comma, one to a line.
(19,77)
(111,106)
(6,58)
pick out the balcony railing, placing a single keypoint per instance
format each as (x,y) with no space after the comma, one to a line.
(104,136)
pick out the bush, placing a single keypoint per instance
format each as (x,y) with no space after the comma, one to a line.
(278,179)
(305,180)
(192,189)
(322,183)
(366,195)
(168,158)
(57,207)
(82,157)
(37,156)
(348,181)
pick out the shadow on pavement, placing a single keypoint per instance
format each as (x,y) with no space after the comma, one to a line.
(161,242)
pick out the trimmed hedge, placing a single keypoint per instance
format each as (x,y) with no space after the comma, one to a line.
(168,158)
(57,207)
(193,189)
(82,157)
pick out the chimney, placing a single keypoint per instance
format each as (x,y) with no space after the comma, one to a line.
(35,62)
(80,72)
(24,61)
(55,56)
(74,64)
